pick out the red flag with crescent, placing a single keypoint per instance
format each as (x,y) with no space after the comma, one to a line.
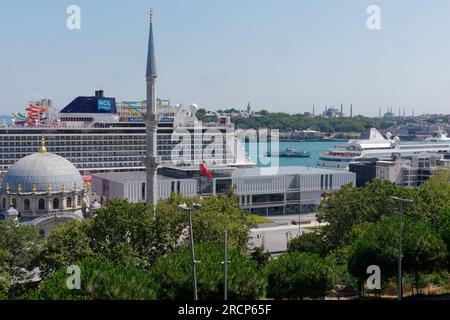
(205,171)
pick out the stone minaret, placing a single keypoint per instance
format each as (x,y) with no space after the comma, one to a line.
(151,121)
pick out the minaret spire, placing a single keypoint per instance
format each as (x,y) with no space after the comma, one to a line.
(151,121)
(151,59)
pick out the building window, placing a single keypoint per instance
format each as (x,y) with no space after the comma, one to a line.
(41,204)
(14,203)
(78,201)
(26,204)
(56,204)
(321,182)
(143,191)
(4,203)
(69,202)
(178,186)
(172,186)
(223,186)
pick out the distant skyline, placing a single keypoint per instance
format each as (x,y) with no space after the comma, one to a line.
(278,55)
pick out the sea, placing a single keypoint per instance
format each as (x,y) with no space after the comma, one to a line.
(257,152)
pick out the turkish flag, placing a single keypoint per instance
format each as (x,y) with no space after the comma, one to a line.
(205,171)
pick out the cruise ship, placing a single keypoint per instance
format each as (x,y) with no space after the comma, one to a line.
(98,134)
(372,144)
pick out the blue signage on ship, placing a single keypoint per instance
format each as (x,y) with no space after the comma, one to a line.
(104,104)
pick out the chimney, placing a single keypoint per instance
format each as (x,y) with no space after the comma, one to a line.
(99,94)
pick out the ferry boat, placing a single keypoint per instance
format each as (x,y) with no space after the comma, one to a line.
(291,153)
(99,135)
(372,144)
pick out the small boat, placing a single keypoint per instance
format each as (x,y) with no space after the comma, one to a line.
(290,152)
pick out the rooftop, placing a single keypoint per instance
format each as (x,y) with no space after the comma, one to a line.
(124,177)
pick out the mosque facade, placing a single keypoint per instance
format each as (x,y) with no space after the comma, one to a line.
(44,190)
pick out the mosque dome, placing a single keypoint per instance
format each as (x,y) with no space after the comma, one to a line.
(42,172)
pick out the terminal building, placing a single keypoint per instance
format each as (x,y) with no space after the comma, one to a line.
(406,171)
(263,191)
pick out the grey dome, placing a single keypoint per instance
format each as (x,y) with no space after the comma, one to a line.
(41,170)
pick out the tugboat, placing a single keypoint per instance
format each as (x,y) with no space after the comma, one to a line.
(290,152)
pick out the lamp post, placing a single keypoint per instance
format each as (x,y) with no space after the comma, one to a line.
(184,207)
(400,233)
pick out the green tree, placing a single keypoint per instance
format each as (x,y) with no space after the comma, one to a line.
(217,215)
(99,280)
(174,274)
(377,244)
(309,242)
(299,275)
(260,256)
(122,232)
(351,206)
(20,246)
(65,245)
(435,192)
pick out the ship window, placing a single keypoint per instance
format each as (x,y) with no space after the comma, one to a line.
(26,204)
(41,204)
(55,204)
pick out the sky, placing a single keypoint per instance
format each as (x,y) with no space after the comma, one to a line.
(279,55)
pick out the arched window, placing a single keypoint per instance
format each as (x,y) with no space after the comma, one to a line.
(69,202)
(55,204)
(4,203)
(41,204)
(26,204)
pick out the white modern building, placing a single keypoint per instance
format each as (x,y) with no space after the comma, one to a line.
(264,191)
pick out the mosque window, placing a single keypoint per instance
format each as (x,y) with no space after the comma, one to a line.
(55,204)
(41,204)
(26,204)
(69,202)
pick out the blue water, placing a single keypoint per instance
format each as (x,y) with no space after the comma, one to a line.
(315,147)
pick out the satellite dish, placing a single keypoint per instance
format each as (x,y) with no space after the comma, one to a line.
(193,108)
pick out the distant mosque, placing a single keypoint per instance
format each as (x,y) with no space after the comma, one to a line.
(44,190)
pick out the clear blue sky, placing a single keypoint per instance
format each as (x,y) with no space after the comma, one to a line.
(280,55)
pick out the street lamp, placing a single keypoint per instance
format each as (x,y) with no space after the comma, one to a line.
(400,232)
(184,207)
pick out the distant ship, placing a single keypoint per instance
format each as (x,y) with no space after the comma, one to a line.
(290,152)
(372,144)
